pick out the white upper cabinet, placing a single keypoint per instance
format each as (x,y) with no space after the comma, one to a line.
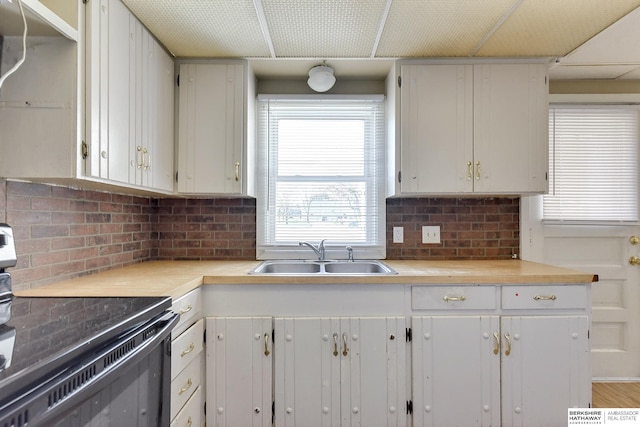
(130,100)
(213,142)
(468,128)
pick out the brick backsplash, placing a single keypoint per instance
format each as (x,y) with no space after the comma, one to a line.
(206,229)
(63,233)
(470,228)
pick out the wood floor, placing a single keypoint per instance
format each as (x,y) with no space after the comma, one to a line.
(616,395)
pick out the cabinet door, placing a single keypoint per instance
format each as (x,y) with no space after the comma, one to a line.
(545,369)
(456,371)
(436,128)
(114,38)
(340,372)
(211,123)
(239,371)
(511,125)
(157,161)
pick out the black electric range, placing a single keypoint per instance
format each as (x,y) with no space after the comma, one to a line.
(43,334)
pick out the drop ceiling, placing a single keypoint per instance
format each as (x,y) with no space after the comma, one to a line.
(589,38)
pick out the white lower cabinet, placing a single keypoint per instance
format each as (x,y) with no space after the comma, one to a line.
(324,371)
(239,371)
(456,370)
(545,369)
(444,355)
(340,371)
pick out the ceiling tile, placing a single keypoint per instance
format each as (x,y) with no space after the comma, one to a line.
(553,27)
(416,28)
(213,28)
(323,29)
(564,72)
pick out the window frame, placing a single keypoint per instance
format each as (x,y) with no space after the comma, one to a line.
(375,245)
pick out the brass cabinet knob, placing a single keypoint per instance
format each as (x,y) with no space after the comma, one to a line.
(634,260)
(634,240)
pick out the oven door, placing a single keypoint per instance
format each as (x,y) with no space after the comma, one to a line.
(123,383)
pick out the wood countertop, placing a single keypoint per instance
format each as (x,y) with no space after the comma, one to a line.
(175,278)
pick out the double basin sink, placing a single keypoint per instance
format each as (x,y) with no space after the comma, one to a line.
(332,267)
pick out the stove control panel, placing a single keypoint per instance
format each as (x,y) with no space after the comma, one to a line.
(8,257)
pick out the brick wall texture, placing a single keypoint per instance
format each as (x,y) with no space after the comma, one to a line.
(63,233)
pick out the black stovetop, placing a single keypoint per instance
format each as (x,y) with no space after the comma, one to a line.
(43,334)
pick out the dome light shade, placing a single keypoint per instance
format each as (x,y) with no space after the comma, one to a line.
(321,78)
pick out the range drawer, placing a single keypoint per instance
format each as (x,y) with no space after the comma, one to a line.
(185,383)
(545,297)
(467,297)
(186,348)
(191,414)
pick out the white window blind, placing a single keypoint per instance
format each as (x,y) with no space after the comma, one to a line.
(593,154)
(322,178)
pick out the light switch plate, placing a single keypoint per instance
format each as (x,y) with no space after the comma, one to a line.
(431,234)
(398,234)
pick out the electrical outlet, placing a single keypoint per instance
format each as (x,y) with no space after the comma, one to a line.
(431,234)
(398,234)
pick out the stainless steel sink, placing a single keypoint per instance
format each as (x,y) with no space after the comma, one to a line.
(335,267)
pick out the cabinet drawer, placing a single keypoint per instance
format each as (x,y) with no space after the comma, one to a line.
(470,297)
(545,297)
(191,414)
(188,307)
(185,383)
(186,347)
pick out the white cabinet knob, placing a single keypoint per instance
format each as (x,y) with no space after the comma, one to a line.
(427,336)
(485,408)
(256,337)
(392,409)
(355,410)
(289,338)
(220,409)
(220,337)
(427,408)
(517,410)
(103,154)
(289,410)
(325,410)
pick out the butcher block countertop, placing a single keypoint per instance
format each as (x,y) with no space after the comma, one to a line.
(175,278)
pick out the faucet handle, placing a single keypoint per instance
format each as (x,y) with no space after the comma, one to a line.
(350,251)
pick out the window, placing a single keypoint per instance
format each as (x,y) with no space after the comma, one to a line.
(321,176)
(593,155)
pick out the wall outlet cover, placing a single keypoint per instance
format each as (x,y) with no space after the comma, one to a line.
(430,234)
(398,234)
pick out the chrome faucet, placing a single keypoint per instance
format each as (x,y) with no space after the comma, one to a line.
(350,252)
(319,250)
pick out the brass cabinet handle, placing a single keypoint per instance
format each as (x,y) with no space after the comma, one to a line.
(496,347)
(335,344)
(237,171)
(185,310)
(189,422)
(345,349)
(187,350)
(139,157)
(186,387)
(477,170)
(545,298)
(469,170)
(266,348)
(448,298)
(507,337)
(634,260)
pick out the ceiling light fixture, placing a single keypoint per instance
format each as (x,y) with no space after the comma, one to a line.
(321,78)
